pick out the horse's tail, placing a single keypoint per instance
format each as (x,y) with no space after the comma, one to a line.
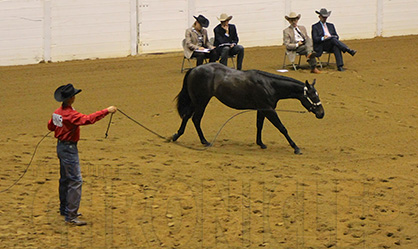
(184,102)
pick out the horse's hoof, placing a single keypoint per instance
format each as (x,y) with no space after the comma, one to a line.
(263,146)
(207,144)
(175,137)
(298,152)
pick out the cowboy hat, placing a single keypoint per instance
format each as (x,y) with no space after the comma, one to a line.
(224,17)
(323,12)
(202,20)
(65,92)
(292,15)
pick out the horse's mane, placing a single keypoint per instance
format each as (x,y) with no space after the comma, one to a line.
(278,77)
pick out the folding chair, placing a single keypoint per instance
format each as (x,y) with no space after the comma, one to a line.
(321,64)
(295,66)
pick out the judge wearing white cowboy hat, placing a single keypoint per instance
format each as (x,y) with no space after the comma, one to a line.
(325,38)
(296,40)
(197,42)
(226,41)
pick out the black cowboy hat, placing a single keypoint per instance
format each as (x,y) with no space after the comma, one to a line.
(202,20)
(65,92)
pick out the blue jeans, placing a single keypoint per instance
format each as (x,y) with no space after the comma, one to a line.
(70,179)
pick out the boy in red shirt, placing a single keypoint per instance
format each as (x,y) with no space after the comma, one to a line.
(66,122)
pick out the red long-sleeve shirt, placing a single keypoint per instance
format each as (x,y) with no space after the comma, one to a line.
(65,122)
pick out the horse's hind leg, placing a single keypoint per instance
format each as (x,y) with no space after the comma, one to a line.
(197,118)
(260,122)
(182,127)
(274,119)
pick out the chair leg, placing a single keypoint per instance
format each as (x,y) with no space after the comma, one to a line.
(319,62)
(294,66)
(190,63)
(284,61)
(233,62)
(182,65)
(322,64)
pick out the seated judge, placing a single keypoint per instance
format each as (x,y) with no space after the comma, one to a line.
(296,40)
(226,41)
(325,38)
(197,42)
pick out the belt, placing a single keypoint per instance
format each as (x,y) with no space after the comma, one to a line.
(67,142)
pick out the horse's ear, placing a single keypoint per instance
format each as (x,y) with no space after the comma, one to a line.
(307,84)
(314,81)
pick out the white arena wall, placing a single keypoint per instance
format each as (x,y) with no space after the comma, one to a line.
(32,31)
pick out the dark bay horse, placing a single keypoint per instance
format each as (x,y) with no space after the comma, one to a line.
(253,89)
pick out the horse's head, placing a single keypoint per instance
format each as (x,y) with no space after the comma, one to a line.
(310,100)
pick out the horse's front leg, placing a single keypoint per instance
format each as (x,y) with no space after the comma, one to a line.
(260,122)
(274,119)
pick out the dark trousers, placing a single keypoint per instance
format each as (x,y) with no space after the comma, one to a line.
(226,51)
(70,179)
(200,57)
(333,45)
(305,50)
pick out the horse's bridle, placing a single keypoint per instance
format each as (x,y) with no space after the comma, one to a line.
(313,104)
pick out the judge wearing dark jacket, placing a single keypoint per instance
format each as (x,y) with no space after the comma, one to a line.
(226,41)
(325,38)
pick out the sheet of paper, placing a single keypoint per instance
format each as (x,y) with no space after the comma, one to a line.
(206,50)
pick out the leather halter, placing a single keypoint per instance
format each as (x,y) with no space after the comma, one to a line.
(314,105)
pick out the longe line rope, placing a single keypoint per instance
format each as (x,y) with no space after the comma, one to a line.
(27,167)
(143,126)
(146,128)
(179,144)
(186,146)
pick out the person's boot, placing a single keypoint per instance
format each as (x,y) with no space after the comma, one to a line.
(315,70)
(352,52)
(76,222)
